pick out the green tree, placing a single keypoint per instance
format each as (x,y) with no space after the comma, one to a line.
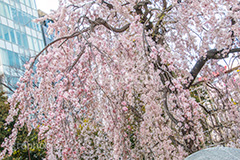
(26,147)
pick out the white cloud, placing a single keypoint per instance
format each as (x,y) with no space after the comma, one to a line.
(47,5)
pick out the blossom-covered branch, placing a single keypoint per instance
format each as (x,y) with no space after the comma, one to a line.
(211,54)
(117,81)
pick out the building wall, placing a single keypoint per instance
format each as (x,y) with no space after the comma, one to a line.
(20,38)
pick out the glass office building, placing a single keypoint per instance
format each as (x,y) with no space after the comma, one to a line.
(20,38)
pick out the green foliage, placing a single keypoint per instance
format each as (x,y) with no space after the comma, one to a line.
(198,93)
(25,145)
(4,132)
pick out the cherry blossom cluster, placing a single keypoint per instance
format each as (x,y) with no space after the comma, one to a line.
(111,86)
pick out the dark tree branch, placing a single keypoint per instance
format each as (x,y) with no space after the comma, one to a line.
(164,4)
(139,5)
(173,119)
(100,21)
(7,86)
(211,54)
(142,3)
(110,6)
(127,3)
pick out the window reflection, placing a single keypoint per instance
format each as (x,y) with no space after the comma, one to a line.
(1,9)
(13,59)
(1,33)
(18,16)
(7,11)
(16,37)
(35,43)
(19,38)
(25,41)
(30,42)
(4,56)
(9,58)
(27,3)
(6,33)
(12,36)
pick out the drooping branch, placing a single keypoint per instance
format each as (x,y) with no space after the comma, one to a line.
(211,54)
(173,119)
(98,21)
(62,38)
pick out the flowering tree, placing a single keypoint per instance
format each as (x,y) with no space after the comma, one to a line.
(134,80)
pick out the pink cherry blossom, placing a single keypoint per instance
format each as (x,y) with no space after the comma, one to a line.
(124,103)
(133,80)
(125,109)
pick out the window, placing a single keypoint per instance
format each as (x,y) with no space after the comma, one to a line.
(12,80)
(24,60)
(30,43)
(19,38)
(23,18)
(27,3)
(14,14)
(12,33)
(9,34)
(20,17)
(1,34)
(7,11)
(22,1)
(13,59)
(6,33)
(25,41)
(31,24)
(4,56)
(35,43)
(41,46)
(33,4)
(2,9)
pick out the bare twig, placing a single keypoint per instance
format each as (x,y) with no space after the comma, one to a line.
(78,57)
(7,86)
(226,71)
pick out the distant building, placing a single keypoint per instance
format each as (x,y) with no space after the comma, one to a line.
(44,26)
(20,38)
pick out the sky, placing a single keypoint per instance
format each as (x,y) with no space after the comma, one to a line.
(47,5)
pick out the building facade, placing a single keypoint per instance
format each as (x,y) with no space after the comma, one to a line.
(44,27)
(20,38)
